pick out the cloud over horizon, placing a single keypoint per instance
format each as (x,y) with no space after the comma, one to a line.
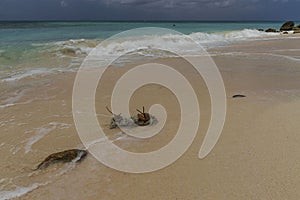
(149,9)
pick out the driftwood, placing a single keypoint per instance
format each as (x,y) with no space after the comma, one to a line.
(143,118)
(64,157)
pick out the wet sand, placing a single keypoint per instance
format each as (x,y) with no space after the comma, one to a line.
(257,156)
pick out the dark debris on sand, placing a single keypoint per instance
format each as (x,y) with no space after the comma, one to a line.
(64,157)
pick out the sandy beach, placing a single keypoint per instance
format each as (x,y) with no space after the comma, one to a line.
(256,157)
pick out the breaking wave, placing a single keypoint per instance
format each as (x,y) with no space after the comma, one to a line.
(141,47)
(145,45)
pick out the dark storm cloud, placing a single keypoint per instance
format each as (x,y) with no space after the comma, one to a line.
(173,3)
(192,3)
(149,9)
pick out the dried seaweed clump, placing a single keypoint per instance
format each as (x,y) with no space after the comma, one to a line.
(142,118)
(64,156)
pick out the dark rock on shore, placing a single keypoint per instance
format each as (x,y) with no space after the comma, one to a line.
(287,26)
(260,29)
(296,31)
(238,96)
(64,156)
(296,28)
(271,30)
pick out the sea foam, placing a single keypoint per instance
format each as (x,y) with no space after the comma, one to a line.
(42,132)
(147,45)
(135,48)
(18,191)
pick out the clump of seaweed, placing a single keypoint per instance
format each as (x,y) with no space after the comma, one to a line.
(118,120)
(115,120)
(142,118)
(64,157)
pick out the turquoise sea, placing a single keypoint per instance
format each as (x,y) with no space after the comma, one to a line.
(27,32)
(26,46)
(21,34)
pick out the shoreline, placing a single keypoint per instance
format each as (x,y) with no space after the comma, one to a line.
(254,158)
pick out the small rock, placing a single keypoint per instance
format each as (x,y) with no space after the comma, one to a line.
(271,30)
(260,29)
(238,96)
(285,32)
(296,31)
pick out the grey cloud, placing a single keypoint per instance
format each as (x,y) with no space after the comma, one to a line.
(63,4)
(149,10)
(191,3)
(173,3)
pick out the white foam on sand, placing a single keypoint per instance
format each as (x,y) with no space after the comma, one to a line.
(33,72)
(42,132)
(12,98)
(284,57)
(38,135)
(105,139)
(7,105)
(19,191)
(69,166)
(27,73)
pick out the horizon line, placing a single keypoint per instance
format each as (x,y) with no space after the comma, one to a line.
(177,21)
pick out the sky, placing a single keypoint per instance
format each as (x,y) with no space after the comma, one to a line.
(150,10)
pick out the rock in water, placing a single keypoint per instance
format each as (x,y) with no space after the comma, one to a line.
(296,30)
(271,30)
(285,32)
(287,26)
(238,96)
(260,29)
(64,156)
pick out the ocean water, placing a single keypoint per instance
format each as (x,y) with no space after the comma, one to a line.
(29,51)
(25,46)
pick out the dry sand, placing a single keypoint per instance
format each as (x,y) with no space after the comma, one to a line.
(257,156)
